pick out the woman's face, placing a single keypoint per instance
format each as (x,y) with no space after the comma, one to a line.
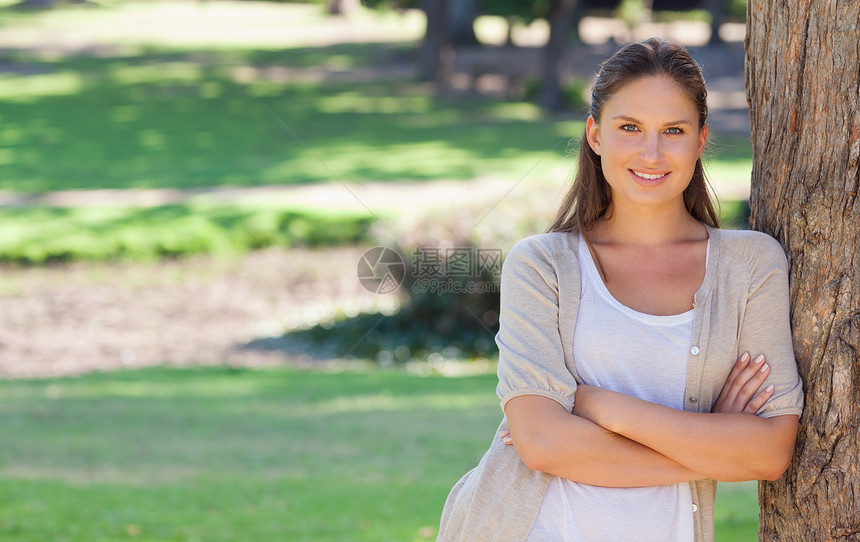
(648,139)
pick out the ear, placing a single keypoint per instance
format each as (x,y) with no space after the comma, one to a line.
(703,138)
(593,135)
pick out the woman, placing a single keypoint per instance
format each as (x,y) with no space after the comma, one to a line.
(636,315)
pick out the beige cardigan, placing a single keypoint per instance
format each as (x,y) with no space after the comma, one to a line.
(742,305)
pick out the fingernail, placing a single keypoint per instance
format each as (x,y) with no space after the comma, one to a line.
(764,368)
(758,359)
(745,357)
(769,388)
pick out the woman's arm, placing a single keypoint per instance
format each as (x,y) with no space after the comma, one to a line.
(548,439)
(577,449)
(727,446)
(723,446)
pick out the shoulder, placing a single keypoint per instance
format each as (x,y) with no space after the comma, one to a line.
(546,246)
(756,250)
(545,254)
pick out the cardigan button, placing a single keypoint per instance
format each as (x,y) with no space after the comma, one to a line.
(694,350)
(695,508)
(693,399)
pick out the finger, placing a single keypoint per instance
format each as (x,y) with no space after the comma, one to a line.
(750,389)
(758,401)
(737,394)
(748,381)
(739,366)
(504,433)
(752,385)
(508,441)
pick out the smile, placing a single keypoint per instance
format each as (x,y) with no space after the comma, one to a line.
(647,176)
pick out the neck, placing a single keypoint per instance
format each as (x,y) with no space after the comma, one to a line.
(648,226)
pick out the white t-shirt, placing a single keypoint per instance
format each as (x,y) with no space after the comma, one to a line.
(618,348)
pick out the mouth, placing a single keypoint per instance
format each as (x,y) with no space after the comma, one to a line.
(648,178)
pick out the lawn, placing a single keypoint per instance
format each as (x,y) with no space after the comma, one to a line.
(41,235)
(155,107)
(220,454)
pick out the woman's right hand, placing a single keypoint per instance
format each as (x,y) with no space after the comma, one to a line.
(738,393)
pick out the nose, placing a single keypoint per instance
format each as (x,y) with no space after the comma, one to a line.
(652,148)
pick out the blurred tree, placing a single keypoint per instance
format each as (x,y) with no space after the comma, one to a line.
(560,16)
(437,53)
(802,82)
(718,10)
(343,7)
(45,4)
(462,15)
(513,11)
(437,47)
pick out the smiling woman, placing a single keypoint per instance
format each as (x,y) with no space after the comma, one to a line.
(653,140)
(626,333)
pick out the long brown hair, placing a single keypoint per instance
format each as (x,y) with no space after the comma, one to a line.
(589,196)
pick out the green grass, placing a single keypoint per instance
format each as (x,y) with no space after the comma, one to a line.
(39,235)
(238,118)
(155,113)
(220,454)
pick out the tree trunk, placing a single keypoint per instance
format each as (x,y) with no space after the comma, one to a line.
(436,52)
(462,15)
(803,87)
(560,17)
(345,8)
(717,9)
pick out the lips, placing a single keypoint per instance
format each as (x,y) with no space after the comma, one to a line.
(648,176)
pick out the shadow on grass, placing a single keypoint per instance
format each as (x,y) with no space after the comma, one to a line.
(164,118)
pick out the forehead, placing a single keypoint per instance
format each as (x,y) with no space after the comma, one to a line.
(651,96)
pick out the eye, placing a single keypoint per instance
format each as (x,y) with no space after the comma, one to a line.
(674,130)
(629,127)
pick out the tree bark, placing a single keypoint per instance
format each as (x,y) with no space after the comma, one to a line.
(560,18)
(803,88)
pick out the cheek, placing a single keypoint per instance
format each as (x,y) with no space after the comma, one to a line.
(684,149)
(619,146)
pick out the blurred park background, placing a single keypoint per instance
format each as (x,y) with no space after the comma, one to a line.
(187,189)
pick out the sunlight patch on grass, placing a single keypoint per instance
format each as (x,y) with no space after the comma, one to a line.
(279,464)
(386,402)
(32,87)
(518,111)
(357,102)
(100,475)
(163,71)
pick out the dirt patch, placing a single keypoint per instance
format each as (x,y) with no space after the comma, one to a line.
(73,319)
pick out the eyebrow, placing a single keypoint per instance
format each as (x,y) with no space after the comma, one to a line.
(637,121)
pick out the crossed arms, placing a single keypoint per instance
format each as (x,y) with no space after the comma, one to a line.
(617,440)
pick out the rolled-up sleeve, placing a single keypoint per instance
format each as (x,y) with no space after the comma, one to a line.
(531,352)
(766,328)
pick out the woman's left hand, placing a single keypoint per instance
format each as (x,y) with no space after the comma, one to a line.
(739,391)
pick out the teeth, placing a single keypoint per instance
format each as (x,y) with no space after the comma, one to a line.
(646,176)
